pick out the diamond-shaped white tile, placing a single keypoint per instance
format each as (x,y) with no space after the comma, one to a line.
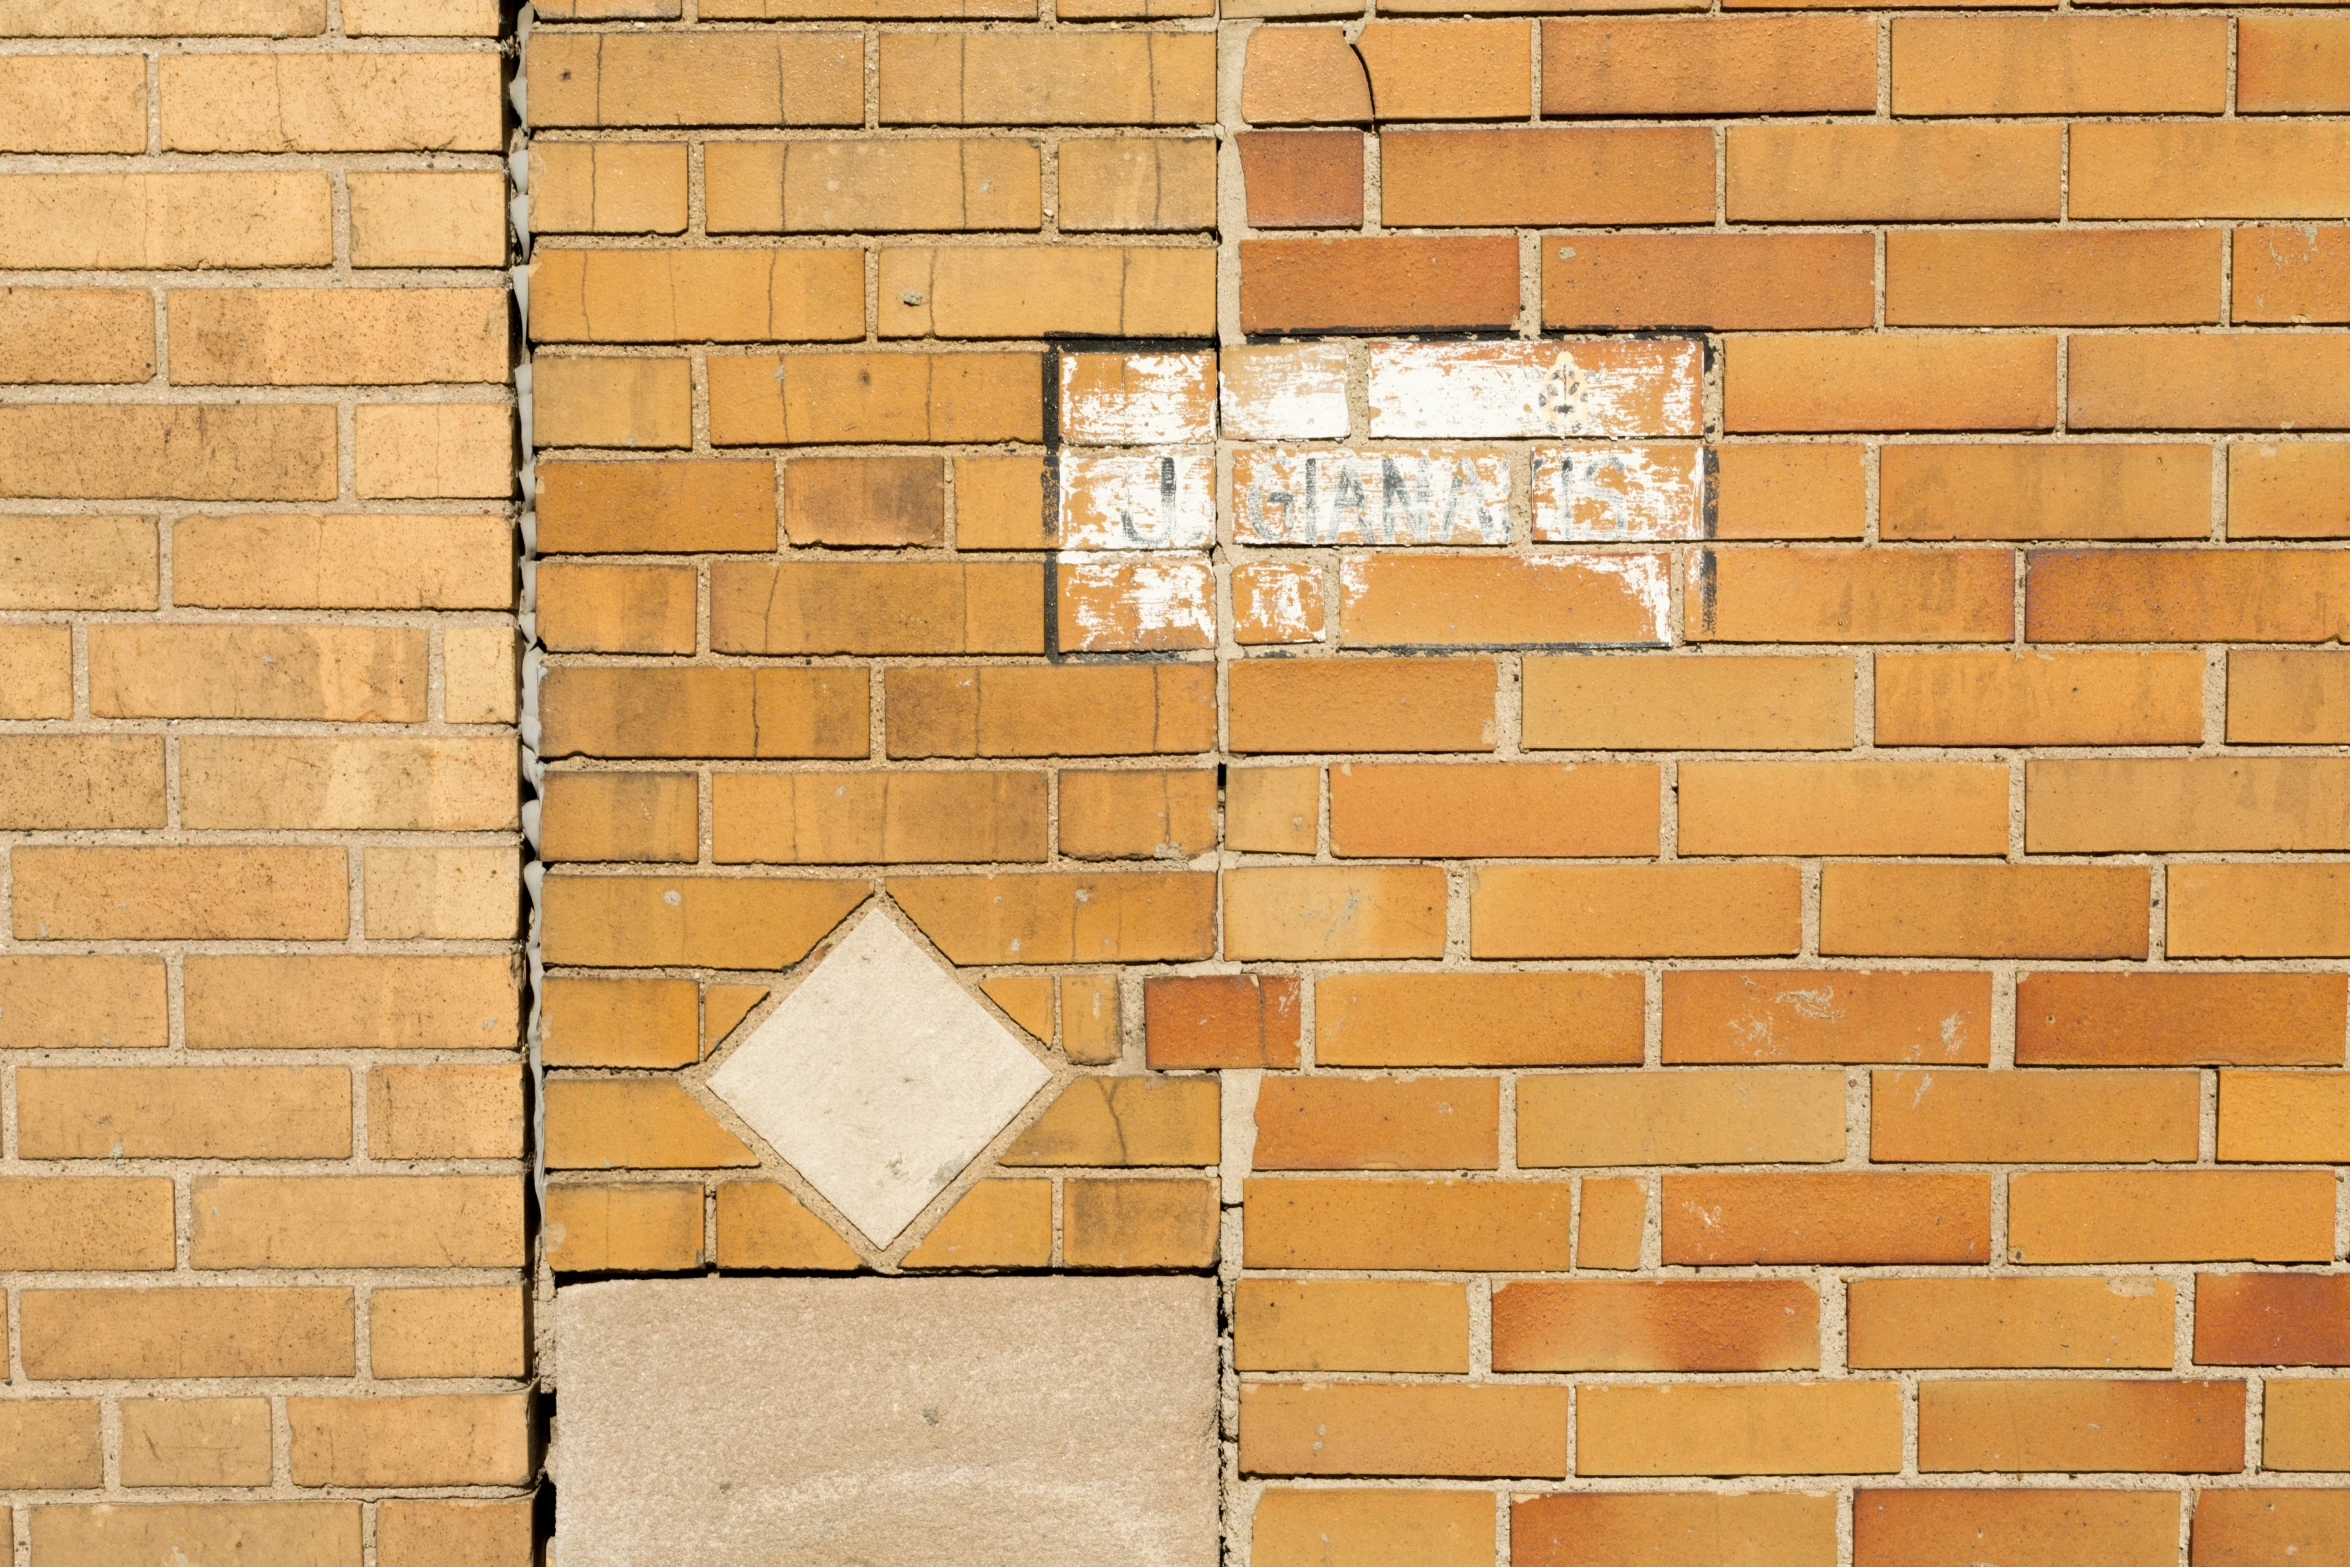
(879,1078)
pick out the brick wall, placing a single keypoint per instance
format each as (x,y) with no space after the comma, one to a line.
(1637,705)
(262,1199)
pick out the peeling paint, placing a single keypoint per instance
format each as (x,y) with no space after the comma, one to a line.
(1341,497)
(1284,392)
(1498,390)
(1603,493)
(1276,604)
(1137,399)
(1127,606)
(1137,500)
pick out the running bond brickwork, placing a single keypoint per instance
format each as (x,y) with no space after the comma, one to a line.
(1640,704)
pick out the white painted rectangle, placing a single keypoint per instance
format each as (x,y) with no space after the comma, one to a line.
(1138,399)
(1285,392)
(1611,388)
(1607,493)
(1137,500)
(1357,497)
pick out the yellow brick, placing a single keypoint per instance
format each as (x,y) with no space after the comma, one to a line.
(51,1443)
(280,453)
(1090,1023)
(284,1534)
(619,816)
(762,78)
(122,1112)
(1687,1116)
(1124,1121)
(693,296)
(449,785)
(996,1224)
(196,894)
(206,1441)
(816,187)
(762,1225)
(800,399)
(333,562)
(436,451)
(351,1001)
(621,1022)
(467,894)
(641,1123)
(77,221)
(466,1331)
(454,1534)
(1019,291)
(68,781)
(332,102)
(77,563)
(210,1331)
(157,18)
(354,674)
(69,1003)
(624,1229)
(632,403)
(36,671)
(1350,1325)
(84,335)
(613,188)
(616,609)
(55,1224)
(478,666)
(1138,1224)
(445,1112)
(697,921)
(428,220)
(449,1439)
(422,18)
(1074,77)
(357,1221)
(1136,185)
(58,103)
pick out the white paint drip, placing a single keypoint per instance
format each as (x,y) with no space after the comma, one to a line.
(1492,390)
(1137,399)
(1137,500)
(1606,493)
(1370,498)
(1284,392)
(1127,604)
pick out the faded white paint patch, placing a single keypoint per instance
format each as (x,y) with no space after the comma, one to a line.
(1605,493)
(1644,577)
(1493,390)
(1340,497)
(1284,392)
(1127,606)
(1137,500)
(1276,603)
(1137,399)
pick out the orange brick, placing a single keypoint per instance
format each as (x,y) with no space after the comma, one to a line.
(864,501)
(2271,1319)
(354,1221)
(616,609)
(2296,274)
(442,1439)
(1349,1325)
(1315,913)
(1136,183)
(1338,1123)
(213,1331)
(1657,1325)
(1638,67)
(633,1123)
(1127,917)
(1612,1224)
(638,1228)
(1138,815)
(615,711)
(1842,808)
(2060,65)
(762,78)
(1114,1121)
(1858,1217)
(1271,810)
(2106,1324)
(1483,1019)
(1475,601)
(1238,1020)
(2184,595)
(1940,382)
(662,506)
(1486,809)
(1731,282)
(2033,1117)
(619,816)
(1035,291)
(762,1225)
(690,921)
(1523,911)
(1138,1224)
(1669,1529)
(620,1022)
(1393,283)
(1755,1428)
(2253,803)
(2287,698)
(2278,911)
(1375,1429)
(2073,1426)
(1075,77)
(1782,1015)
(1810,490)
(2229,168)
(1380,1527)
(1449,70)
(1277,603)
(2282,1116)
(150,894)
(2115,277)
(2034,1528)
(2038,698)
(2179,1019)
(812,818)
(1689,1117)
(1989,911)
(1138,606)
(2159,381)
(1416,704)
(860,398)
(1069,710)
(2170,1216)
(1893,173)
(1458,179)
(2292,64)
(1483,1226)
(996,1224)
(901,607)
(1303,76)
(1302,179)
(1640,702)
(2236,1528)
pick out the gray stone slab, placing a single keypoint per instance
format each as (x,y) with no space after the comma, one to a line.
(887,1422)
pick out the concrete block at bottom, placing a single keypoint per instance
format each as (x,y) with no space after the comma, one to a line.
(888,1422)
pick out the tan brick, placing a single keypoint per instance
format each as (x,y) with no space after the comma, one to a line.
(1339,1222)
(57,103)
(343,1001)
(1918,381)
(671,296)
(332,102)
(52,1444)
(1335,1123)
(872,187)
(1760,1428)
(1136,184)
(74,1335)
(424,18)
(166,893)
(284,1534)
(333,562)
(867,818)
(336,337)
(1420,704)
(897,607)
(55,1224)
(1729,1116)
(761,1225)
(210,1441)
(996,1224)
(1643,702)
(126,221)
(1482,1019)
(444,1112)
(633,712)
(354,1221)
(2231,168)
(851,501)
(621,1022)
(1315,913)
(639,1228)
(854,398)
(153,18)
(77,563)
(2305,1425)
(453,1534)
(1640,67)
(36,677)
(1842,808)
(445,1439)
(1064,78)
(1138,1224)
(2283,911)
(69,1003)
(2062,1216)
(2090,1323)
(212,453)
(619,816)
(1893,172)
(1349,1325)
(1784,1015)
(2286,491)
(660,506)
(1269,810)
(418,785)
(1017,291)
(348,673)
(472,1330)
(75,781)
(616,609)
(2039,698)
(1667,1529)
(608,187)
(2070,1426)
(2034,1528)
(1635,911)
(1138,815)
(436,451)
(57,335)
(1373,1527)
(2048,911)
(720,78)
(2179,1019)
(2295,274)
(1069,710)
(1124,917)
(2182,595)
(123,1112)
(2033,1117)
(1839,1217)
(1385,1429)
(690,921)
(640,404)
